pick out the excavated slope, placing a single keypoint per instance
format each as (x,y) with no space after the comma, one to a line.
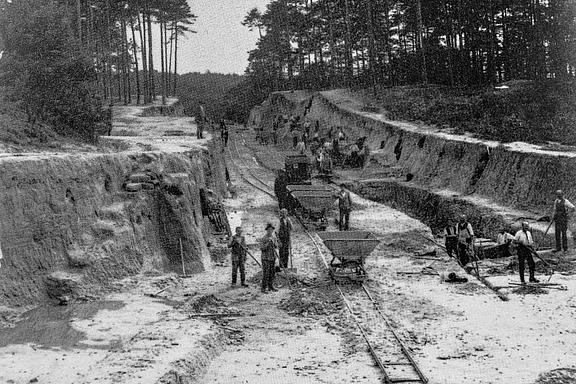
(516,177)
(69,226)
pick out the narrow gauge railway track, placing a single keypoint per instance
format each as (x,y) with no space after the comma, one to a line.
(502,296)
(387,349)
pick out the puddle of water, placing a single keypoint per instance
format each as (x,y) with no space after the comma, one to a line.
(50,326)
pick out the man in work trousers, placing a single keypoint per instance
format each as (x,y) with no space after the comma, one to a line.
(465,238)
(451,239)
(201,121)
(562,208)
(224,133)
(525,244)
(238,245)
(344,206)
(284,235)
(268,246)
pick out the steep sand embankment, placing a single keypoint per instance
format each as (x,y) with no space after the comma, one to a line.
(494,184)
(70,224)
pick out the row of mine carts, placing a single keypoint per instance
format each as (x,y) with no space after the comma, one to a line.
(312,202)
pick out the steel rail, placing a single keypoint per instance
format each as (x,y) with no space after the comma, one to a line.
(377,359)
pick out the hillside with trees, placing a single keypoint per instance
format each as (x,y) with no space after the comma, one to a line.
(64,61)
(464,46)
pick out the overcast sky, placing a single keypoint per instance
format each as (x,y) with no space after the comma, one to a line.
(221,43)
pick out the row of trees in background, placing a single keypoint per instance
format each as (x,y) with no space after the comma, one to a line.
(64,58)
(331,43)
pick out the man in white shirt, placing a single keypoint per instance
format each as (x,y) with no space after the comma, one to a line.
(525,243)
(465,240)
(504,240)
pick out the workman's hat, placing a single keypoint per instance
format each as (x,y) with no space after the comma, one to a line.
(269,225)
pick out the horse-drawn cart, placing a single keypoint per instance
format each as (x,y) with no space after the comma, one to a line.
(349,251)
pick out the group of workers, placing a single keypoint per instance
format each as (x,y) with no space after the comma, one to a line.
(459,239)
(274,245)
(459,236)
(277,244)
(325,150)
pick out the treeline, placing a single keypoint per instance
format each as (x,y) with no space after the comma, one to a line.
(217,91)
(333,43)
(64,59)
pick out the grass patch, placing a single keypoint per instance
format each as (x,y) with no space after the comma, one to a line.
(522,111)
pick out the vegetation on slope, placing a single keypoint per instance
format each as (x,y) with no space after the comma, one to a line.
(517,111)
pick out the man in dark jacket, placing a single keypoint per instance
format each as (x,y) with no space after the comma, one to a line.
(280,189)
(562,209)
(344,206)
(268,246)
(284,238)
(238,245)
(224,132)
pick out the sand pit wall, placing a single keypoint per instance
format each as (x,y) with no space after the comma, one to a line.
(424,160)
(69,222)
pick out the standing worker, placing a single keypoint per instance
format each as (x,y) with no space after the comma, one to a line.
(224,132)
(465,239)
(284,237)
(268,246)
(562,209)
(344,206)
(238,245)
(201,121)
(451,239)
(301,147)
(525,244)
(280,189)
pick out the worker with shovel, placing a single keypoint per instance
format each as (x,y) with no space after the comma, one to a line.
(525,243)
(268,246)
(238,246)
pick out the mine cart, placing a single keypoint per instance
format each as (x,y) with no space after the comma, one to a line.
(312,207)
(307,187)
(298,169)
(349,250)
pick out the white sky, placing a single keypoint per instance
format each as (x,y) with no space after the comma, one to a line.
(221,43)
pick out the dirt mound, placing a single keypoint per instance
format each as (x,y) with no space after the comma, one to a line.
(320,301)
(558,376)
(208,303)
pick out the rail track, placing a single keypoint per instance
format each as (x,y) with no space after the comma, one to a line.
(388,350)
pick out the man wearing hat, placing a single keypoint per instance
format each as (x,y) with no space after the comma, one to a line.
(238,246)
(268,246)
(562,208)
(284,235)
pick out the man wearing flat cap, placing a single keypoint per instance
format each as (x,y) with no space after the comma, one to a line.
(268,246)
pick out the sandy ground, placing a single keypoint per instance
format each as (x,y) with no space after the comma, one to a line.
(463,333)
(202,330)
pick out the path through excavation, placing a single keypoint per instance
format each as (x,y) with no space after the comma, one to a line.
(459,333)
(159,327)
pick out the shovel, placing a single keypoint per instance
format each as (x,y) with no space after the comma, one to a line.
(291,269)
